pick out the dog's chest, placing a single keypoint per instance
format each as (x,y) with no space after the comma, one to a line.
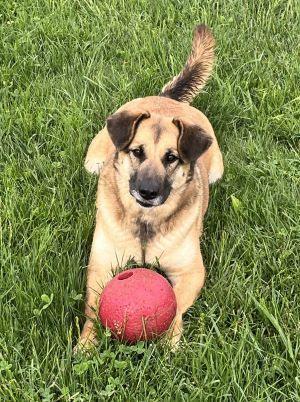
(152,244)
(143,233)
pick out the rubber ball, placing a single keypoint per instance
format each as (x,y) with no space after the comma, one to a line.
(137,304)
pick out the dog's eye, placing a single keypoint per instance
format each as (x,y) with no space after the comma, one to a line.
(138,152)
(170,158)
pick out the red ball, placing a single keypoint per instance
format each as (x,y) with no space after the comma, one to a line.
(137,304)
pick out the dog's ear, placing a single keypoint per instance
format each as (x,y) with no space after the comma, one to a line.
(122,126)
(193,141)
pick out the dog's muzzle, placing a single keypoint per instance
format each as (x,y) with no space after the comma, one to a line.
(149,190)
(154,202)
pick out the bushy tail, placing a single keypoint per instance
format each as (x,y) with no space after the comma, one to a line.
(186,85)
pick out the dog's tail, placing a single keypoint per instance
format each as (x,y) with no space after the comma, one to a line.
(187,84)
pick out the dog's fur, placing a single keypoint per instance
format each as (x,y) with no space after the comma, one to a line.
(163,148)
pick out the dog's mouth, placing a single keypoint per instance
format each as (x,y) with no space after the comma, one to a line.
(155,202)
(145,205)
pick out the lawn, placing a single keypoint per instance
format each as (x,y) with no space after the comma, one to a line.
(65,66)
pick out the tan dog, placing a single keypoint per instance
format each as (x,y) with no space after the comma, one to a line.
(156,156)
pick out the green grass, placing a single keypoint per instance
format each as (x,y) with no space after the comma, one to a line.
(65,66)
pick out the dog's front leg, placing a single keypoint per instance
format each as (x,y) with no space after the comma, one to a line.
(187,284)
(97,278)
(102,262)
(107,254)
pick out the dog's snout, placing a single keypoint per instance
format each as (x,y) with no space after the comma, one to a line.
(149,190)
(148,187)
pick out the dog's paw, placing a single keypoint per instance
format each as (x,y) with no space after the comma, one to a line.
(93,166)
(175,342)
(85,345)
(172,338)
(174,334)
(88,338)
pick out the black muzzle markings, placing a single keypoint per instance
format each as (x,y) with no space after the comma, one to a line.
(149,190)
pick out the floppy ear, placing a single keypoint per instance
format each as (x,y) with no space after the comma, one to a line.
(122,126)
(192,142)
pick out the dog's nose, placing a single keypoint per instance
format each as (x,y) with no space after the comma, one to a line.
(149,192)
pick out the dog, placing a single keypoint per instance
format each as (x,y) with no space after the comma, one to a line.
(155,157)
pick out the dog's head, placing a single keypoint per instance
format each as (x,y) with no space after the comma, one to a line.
(156,154)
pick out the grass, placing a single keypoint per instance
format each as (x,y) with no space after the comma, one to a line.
(65,66)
